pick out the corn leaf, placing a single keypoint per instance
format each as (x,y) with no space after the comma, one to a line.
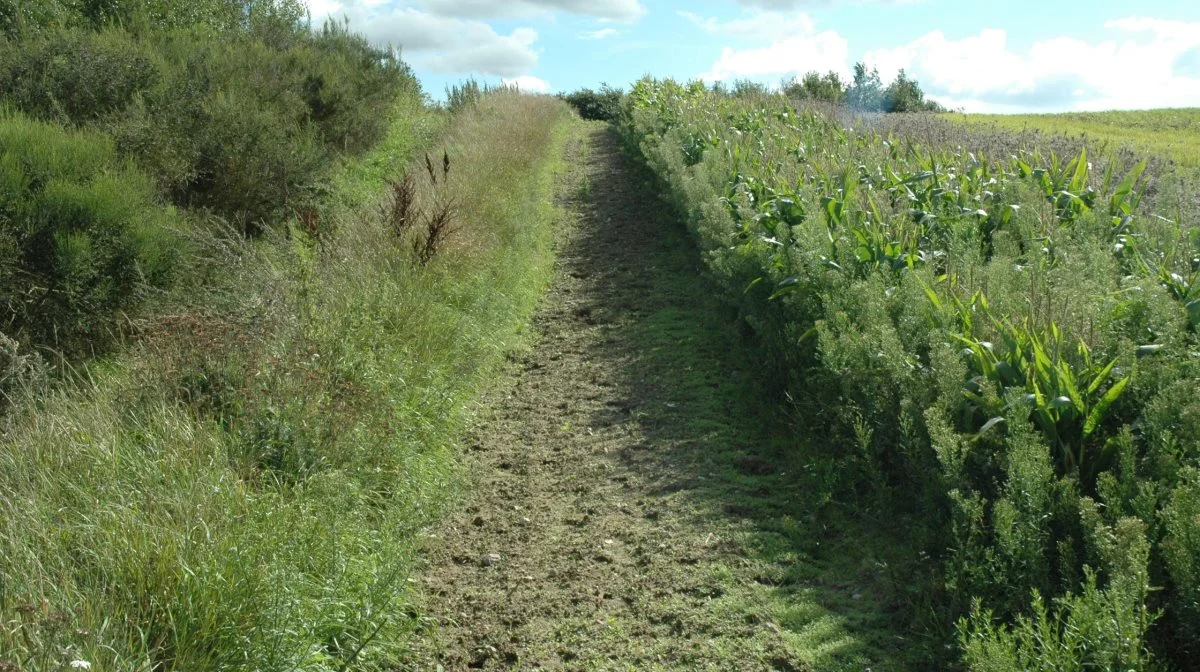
(1097,414)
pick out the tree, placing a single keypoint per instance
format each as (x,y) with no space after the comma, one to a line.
(813,86)
(866,92)
(905,95)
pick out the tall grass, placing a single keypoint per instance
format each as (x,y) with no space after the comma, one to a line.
(242,490)
(1168,133)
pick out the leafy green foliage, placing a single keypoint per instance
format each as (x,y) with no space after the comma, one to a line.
(245,488)
(601,105)
(239,116)
(904,94)
(1102,628)
(1181,551)
(996,341)
(865,92)
(77,76)
(828,88)
(25,17)
(464,94)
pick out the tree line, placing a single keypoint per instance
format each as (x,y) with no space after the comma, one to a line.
(866,92)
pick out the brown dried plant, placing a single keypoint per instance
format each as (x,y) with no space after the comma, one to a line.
(401,213)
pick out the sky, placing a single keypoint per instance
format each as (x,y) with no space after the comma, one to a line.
(1009,56)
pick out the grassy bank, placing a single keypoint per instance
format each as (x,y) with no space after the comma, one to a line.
(241,490)
(1173,133)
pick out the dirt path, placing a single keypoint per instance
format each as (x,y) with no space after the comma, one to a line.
(630,510)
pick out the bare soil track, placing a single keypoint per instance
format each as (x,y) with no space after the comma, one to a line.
(628,510)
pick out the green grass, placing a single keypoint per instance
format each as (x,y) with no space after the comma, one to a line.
(824,568)
(1170,133)
(242,490)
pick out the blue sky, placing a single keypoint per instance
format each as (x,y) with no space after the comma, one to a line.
(1011,56)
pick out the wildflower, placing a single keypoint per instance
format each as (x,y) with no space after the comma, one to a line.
(81,665)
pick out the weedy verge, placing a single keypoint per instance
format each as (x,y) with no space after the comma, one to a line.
(241,490)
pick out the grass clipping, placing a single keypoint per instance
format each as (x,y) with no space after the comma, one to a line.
(241,490)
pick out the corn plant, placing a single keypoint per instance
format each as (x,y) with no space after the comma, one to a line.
(1068,392)
(1065,185)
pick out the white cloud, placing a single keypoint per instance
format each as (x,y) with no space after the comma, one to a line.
(323,8)
(775,5)
(757,25)
(613,10)
(1134,68)
(823,52)
(529,84)
(781,5)
(601,34)
(443,44)
(795,46)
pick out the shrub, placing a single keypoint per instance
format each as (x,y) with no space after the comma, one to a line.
(464,94)
(904,94)
(601,105)
(85,236)
(827,88)
(1101,628)
(241,122)
(1181,551)
(865,93)
(76,75)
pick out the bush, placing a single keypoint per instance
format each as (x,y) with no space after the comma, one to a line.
(1181,551)
(905,95)
(84,237)
(1101,628)
(865,93)
(602,105)
(464,94)
(25,17)
(827,88)
(242,123)
(76,76)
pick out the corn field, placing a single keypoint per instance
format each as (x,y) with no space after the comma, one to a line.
(1009,342)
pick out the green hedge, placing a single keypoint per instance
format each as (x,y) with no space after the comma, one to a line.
(1007,347)
(601,105)
(231,109)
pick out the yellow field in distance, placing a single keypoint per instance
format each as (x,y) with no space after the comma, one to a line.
(1169,133)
